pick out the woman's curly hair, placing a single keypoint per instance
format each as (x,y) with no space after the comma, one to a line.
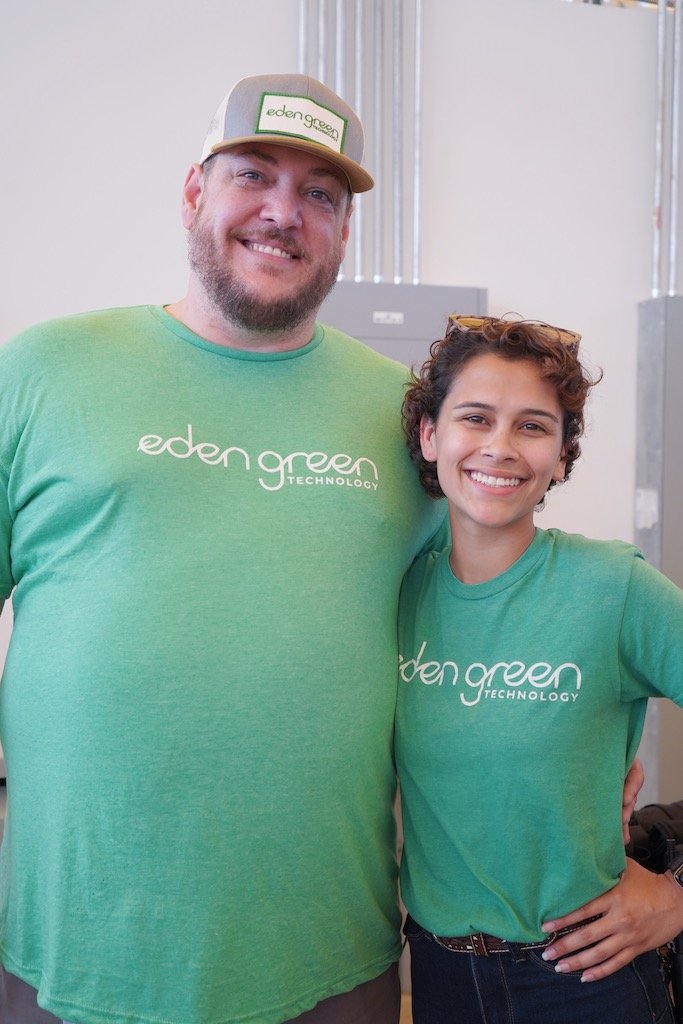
(553,350)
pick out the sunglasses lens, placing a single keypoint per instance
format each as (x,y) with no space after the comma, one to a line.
(473,323)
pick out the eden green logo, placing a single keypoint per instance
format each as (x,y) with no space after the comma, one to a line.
(303,118)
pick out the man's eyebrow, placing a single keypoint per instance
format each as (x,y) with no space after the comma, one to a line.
(254,151)
(522,412)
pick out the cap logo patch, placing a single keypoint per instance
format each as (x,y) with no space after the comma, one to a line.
(303,118)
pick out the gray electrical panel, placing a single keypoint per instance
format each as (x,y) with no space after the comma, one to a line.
(398,320)
(659,429)
(659,501)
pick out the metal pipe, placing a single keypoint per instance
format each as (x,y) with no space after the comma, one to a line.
(379,138)
(359,37)
(675,148)
(322,39)
(303,36)
(417,144)
(339,50)
(339,74)
(659,150)
(397,135)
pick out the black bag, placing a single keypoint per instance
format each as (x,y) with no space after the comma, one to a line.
(676,964)
(656,839)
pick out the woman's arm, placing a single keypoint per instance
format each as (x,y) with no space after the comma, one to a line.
(643,911)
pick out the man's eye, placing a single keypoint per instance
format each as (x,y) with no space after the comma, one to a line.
(320,195)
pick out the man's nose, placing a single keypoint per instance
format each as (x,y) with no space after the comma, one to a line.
(282,207)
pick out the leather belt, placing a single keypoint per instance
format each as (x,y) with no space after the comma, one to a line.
(483,945)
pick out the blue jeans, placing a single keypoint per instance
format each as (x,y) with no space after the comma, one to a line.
(461,988)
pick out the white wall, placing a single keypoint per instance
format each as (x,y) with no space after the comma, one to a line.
(104,107)
(537,168)
(539,156)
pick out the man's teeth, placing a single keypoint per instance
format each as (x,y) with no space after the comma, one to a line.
(495,481)
(270,250)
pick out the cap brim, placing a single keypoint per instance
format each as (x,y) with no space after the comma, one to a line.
(358,178)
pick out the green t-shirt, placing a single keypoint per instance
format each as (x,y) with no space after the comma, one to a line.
(521,704)
(205,549)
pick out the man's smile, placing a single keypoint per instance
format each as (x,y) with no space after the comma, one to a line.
(270,250)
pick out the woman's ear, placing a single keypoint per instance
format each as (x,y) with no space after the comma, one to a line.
(561,467)
(428,438)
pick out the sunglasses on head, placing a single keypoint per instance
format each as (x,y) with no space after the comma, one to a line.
(571,339)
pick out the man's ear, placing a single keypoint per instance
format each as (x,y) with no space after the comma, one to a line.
(346,228)
(192,193)
(428,438)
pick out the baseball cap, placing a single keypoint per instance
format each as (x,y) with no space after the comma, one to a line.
(295,111)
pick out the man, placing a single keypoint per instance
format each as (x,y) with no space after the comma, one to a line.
(206,511)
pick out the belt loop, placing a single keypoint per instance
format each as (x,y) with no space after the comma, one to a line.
(479,944)
(518,952)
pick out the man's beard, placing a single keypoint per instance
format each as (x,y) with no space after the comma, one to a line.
(240,306)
